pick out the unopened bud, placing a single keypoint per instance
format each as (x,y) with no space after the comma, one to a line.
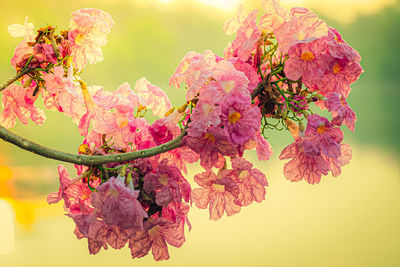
(169,112)
(182,109)
(84,149)
(293,128)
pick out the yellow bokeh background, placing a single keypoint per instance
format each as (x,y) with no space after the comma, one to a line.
(351,220)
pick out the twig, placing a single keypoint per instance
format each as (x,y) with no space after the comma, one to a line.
(15,78)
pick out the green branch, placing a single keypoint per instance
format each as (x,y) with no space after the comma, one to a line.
(78,159)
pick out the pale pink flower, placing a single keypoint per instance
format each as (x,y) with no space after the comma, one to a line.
(15,106)
(304,26)
(232,25)
(218,193)
(98,112)
(153,97)
(275,15)
(246,37)
(178,76)
(21,52)
(76,195)
(335,165)
(26,30)
(249,71)
(117,204)
(341,112)
(155,236)
(324,135)
(251,182)
(263,147)
(88,29)
(306,162)
(229,80)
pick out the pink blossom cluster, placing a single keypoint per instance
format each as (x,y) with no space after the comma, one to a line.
(268,78)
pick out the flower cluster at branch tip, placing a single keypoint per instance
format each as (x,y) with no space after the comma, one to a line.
(268,79)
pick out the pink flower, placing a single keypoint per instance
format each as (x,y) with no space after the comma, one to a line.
(163,131)
(155,236)
(249,71)
(217,192)
(194,70)
(303,26)
(15,106)
(153,97)
(232,25)
(246,37)
(338,48)
(118,205)
(341,112)
(240,118)
(167,183)
(76,194)
(306,162)
(88,29)
(251,182)
(306,61)
(335,165)
(210,145)
(341,73)
(324,135)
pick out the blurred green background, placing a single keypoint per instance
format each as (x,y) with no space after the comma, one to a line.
(351,220)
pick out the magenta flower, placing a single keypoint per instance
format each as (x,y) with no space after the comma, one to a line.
(306,162)
(218,193)
(324,135)
(118,205)
(251,182)
(341,112)
(155,236)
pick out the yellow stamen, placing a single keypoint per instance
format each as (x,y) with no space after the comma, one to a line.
(234,117)
(218,187)
(307,56)
(337,68)
(84,149)
(321,129)
(209,137)
(244,174)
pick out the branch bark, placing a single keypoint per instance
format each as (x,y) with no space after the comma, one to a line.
(14,79)
(78,159)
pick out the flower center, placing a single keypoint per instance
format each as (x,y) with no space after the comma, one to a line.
(244,174)
(337,68)
(163,179)
(234,117)
(209,137)
(307,56)
(218,187)
(227,85)
(321,129)
(79,39)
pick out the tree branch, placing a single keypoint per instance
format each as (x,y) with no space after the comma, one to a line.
(14,79)
(84,159)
